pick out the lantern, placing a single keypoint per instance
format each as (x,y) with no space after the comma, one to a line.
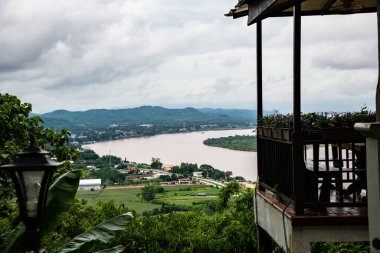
(32,172)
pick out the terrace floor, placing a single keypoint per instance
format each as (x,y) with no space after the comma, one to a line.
(297,232)
(326,216)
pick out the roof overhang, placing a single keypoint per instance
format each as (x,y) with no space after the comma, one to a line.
(260,9)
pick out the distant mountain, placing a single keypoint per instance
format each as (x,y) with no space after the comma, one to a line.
(146,115)
(244,114)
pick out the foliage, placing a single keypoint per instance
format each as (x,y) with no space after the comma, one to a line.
(186,169)
(109,176)
(168,178)
(149,192)
(156,164)
(103,232)
(168,208)
(228,231)
(60,198)
(81,218)
(210,172)
(19,130)
(237,142)
(107,161)
(231,230)
(16,133)
(88,155)
(316,120)
(227,192)
(340,247)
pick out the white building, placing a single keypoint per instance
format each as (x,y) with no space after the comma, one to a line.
(184,181)
(88,184)
(197,174)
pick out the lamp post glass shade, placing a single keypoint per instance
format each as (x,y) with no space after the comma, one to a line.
(30,184)
(31,172)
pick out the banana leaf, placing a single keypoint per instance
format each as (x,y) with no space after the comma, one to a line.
(60,198)
(117,249)
(12,240)
(103,232)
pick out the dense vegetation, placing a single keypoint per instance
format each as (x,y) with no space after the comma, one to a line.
(230,228)
(237,142)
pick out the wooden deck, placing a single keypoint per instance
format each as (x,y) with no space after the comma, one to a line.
(327,216)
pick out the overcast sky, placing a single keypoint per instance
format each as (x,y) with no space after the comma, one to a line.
(79,55)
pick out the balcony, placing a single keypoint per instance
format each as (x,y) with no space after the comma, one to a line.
(331,172)
(319,196)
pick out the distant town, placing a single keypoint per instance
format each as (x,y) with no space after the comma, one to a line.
(112,171)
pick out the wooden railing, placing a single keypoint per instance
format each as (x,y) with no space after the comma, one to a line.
(334,169)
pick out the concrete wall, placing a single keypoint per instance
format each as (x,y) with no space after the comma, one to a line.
(298,238)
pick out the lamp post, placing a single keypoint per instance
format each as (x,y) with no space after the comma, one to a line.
(32,172)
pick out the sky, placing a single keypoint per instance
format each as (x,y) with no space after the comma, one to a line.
(79,55)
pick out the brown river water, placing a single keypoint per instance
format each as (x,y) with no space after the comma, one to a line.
(184,147)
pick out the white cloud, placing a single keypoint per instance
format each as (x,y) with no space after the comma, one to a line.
(78,55)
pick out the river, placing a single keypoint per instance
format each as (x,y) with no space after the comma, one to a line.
(184,147)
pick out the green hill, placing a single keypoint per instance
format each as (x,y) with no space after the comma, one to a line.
(146,115)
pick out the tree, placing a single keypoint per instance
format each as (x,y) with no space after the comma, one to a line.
(108,161)
(228,175)
(18,131)
(89,155)
(226,193)
(156,163)
(149,192)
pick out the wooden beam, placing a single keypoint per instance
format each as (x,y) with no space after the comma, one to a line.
(257,8)
(328,4)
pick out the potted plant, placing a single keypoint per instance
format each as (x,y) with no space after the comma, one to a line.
(324,125)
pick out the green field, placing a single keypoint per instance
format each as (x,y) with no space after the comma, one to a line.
(178,194)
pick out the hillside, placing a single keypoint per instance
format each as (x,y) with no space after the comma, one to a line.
(146,115)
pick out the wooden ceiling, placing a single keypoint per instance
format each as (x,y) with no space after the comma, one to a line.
(261,9)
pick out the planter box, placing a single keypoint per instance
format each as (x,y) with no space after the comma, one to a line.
(277,134)
(287,134)
(284,134)
(260,131)
(267,132)
(324,134)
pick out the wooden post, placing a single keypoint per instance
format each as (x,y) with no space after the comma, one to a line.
(259,70)
(298,169)
(378,60)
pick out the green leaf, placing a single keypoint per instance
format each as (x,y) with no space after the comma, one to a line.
(60,198)
(103,232)
(117,249)
(12,241)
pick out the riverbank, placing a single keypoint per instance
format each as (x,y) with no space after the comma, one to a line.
(237,142)
(202,131)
